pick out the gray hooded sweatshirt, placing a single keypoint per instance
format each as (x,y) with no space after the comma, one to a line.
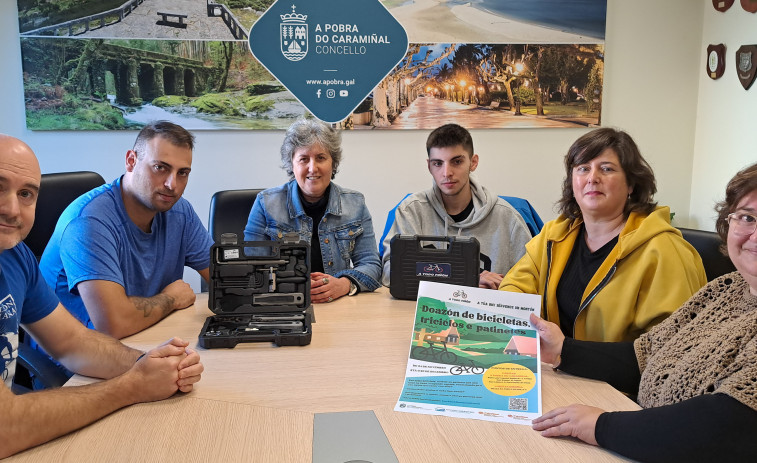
(498,227)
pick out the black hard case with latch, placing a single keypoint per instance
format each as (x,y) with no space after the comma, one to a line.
(259,292)
(446,259)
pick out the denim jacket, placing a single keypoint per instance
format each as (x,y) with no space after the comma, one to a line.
(345,233)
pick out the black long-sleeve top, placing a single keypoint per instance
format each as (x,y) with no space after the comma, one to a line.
(707,428)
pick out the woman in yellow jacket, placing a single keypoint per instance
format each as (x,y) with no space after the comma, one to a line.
(610,266)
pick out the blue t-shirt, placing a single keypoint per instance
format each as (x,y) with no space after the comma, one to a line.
(24,298)
(96,240)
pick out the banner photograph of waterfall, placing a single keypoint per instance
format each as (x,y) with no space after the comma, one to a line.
(117,64)
(96,84)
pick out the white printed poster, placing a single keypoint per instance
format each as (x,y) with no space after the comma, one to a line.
(473,354)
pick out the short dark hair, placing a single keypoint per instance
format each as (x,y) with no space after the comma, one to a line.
(639,175)
(450,135)
(175,134)
(743,183)
(307,132)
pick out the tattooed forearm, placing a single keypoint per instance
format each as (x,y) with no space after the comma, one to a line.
(159,302)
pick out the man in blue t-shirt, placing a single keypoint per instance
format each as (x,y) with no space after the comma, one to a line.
(116,258)
(25,299)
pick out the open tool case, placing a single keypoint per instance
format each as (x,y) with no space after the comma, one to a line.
(260,292)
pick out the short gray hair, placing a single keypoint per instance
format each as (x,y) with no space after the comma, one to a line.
(308,132)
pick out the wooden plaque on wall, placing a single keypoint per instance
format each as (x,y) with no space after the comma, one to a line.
(745,64)
(715,61)
(749,5)
(722,5)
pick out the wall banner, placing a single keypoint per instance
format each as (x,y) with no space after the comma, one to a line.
(328,53)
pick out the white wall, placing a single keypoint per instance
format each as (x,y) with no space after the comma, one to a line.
(652,74)
(726,129)
(651,82)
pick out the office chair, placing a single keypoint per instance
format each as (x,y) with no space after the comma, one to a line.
(32,363)
(56,192)
(707,244)
(229,210)
(527,211)
(529,214)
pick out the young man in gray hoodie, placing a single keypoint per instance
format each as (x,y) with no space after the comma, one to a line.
(458,205)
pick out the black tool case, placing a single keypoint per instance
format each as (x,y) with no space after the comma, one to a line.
(446,259)
(260,292)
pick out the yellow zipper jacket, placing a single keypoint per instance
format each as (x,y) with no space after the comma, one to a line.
(649,273)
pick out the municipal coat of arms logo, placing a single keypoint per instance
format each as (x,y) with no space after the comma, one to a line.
(294,35)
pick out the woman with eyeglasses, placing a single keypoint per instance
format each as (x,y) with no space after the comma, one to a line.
(611,266)
(695,373)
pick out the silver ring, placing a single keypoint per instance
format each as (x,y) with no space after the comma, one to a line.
(330,299)
(325,280)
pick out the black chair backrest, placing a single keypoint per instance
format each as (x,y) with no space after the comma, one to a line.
(229,210)
(707,244)
(56,192)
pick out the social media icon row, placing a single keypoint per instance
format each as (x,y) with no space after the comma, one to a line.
(331,93)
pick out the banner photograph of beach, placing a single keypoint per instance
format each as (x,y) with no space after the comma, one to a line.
(501,21)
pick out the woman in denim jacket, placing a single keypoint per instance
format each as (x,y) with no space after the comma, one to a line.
(344,256)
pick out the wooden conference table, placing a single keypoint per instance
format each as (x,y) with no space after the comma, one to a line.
(257,402)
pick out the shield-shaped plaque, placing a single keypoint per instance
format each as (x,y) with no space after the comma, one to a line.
(722,5)
(749,5)
(746,58)
(715,61)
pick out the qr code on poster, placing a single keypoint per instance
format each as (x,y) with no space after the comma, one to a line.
(518,403)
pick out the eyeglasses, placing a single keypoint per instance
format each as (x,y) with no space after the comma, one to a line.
(742,223)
